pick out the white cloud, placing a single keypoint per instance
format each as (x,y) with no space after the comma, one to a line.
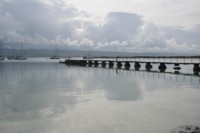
(117,26)
(48,22)
(183,13)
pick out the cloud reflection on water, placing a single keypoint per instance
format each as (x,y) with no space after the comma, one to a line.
(33,87)
(47,97)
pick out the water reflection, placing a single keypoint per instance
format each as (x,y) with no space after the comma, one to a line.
(32,88)
(51,97)
(115,90)
(162,75)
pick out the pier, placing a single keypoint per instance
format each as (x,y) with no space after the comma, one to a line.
(126,62)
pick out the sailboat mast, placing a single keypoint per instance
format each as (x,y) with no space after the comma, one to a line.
(89,51)
(1,54)
(56,50)
(21,49)
(1,48)
(13,50)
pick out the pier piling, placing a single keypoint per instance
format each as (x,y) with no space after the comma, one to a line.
(162,67)
(103,64)
(90,63)
(148,66)
(96,63)
(111,64)
(119,65)
(137,66)
(196,69)
(127,65)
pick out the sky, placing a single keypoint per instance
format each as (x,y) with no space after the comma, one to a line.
(117,25)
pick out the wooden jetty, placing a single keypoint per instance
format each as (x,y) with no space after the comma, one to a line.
(126,62)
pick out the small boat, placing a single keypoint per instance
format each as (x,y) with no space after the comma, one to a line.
(87,57)
(177,68)
(20,58)
(55,57)
(11,57)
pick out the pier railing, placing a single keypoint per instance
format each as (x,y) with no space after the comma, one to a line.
(145,59)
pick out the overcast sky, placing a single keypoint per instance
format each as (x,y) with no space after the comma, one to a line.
(117,25)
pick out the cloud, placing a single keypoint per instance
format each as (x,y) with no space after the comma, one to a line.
(117,26)
(182,13)
(40,18)
(45,23)
(8,23)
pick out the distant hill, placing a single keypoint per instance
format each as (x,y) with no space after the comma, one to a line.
(66,53)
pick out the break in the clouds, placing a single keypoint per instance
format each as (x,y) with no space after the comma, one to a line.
(172,26)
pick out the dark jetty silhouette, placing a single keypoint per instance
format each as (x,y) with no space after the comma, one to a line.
(125,62)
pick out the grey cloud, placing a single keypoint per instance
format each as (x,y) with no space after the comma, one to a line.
(183,36)
(121,26)
(118,26)
(38,23)
(8,23)
(39,18)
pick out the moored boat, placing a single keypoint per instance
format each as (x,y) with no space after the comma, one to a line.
(55,57)
(20,58)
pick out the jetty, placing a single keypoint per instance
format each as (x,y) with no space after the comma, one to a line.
(126,62)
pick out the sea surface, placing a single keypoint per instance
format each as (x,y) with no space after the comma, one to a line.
(42,96)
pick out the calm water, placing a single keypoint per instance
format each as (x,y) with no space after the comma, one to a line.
(37,97)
